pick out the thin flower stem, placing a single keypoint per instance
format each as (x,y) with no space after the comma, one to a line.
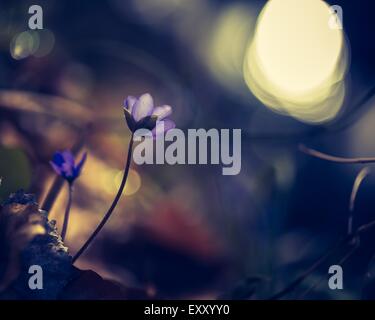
(52,194)
(112,207)
(67,212)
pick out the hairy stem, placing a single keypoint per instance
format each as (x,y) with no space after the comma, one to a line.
(112,207)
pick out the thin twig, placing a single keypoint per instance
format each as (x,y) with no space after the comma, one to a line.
(347,240)
(340,263)
(357,183)
(331,158)
(307,272)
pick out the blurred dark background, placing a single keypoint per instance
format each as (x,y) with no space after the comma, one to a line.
(184,231)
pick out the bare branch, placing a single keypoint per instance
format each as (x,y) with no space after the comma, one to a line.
(324,156)
(357,183)
(341,244)
(340,263)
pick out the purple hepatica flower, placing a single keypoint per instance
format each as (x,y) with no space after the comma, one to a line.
(142,114)
(64,165)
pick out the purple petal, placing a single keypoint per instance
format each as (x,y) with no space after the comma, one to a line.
(67,170)
(129,103)
(80,164)
(162,126)
(56,168)
(67,167)
(162,112)
(68,157)
(143,107)
(58,159)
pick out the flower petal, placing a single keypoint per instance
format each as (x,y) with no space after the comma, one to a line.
(67,167)
(162,126)
(78,168)
(68,158)
(58,159)
(143,107)
(56,168)
(67,170)
(129,103)
(162,112)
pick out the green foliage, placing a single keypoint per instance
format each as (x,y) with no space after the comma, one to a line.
(15,171)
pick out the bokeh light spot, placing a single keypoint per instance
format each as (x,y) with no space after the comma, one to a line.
(24,44)
(133,183)
(37,43)
(46,43)
(225,50)
(296,62)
